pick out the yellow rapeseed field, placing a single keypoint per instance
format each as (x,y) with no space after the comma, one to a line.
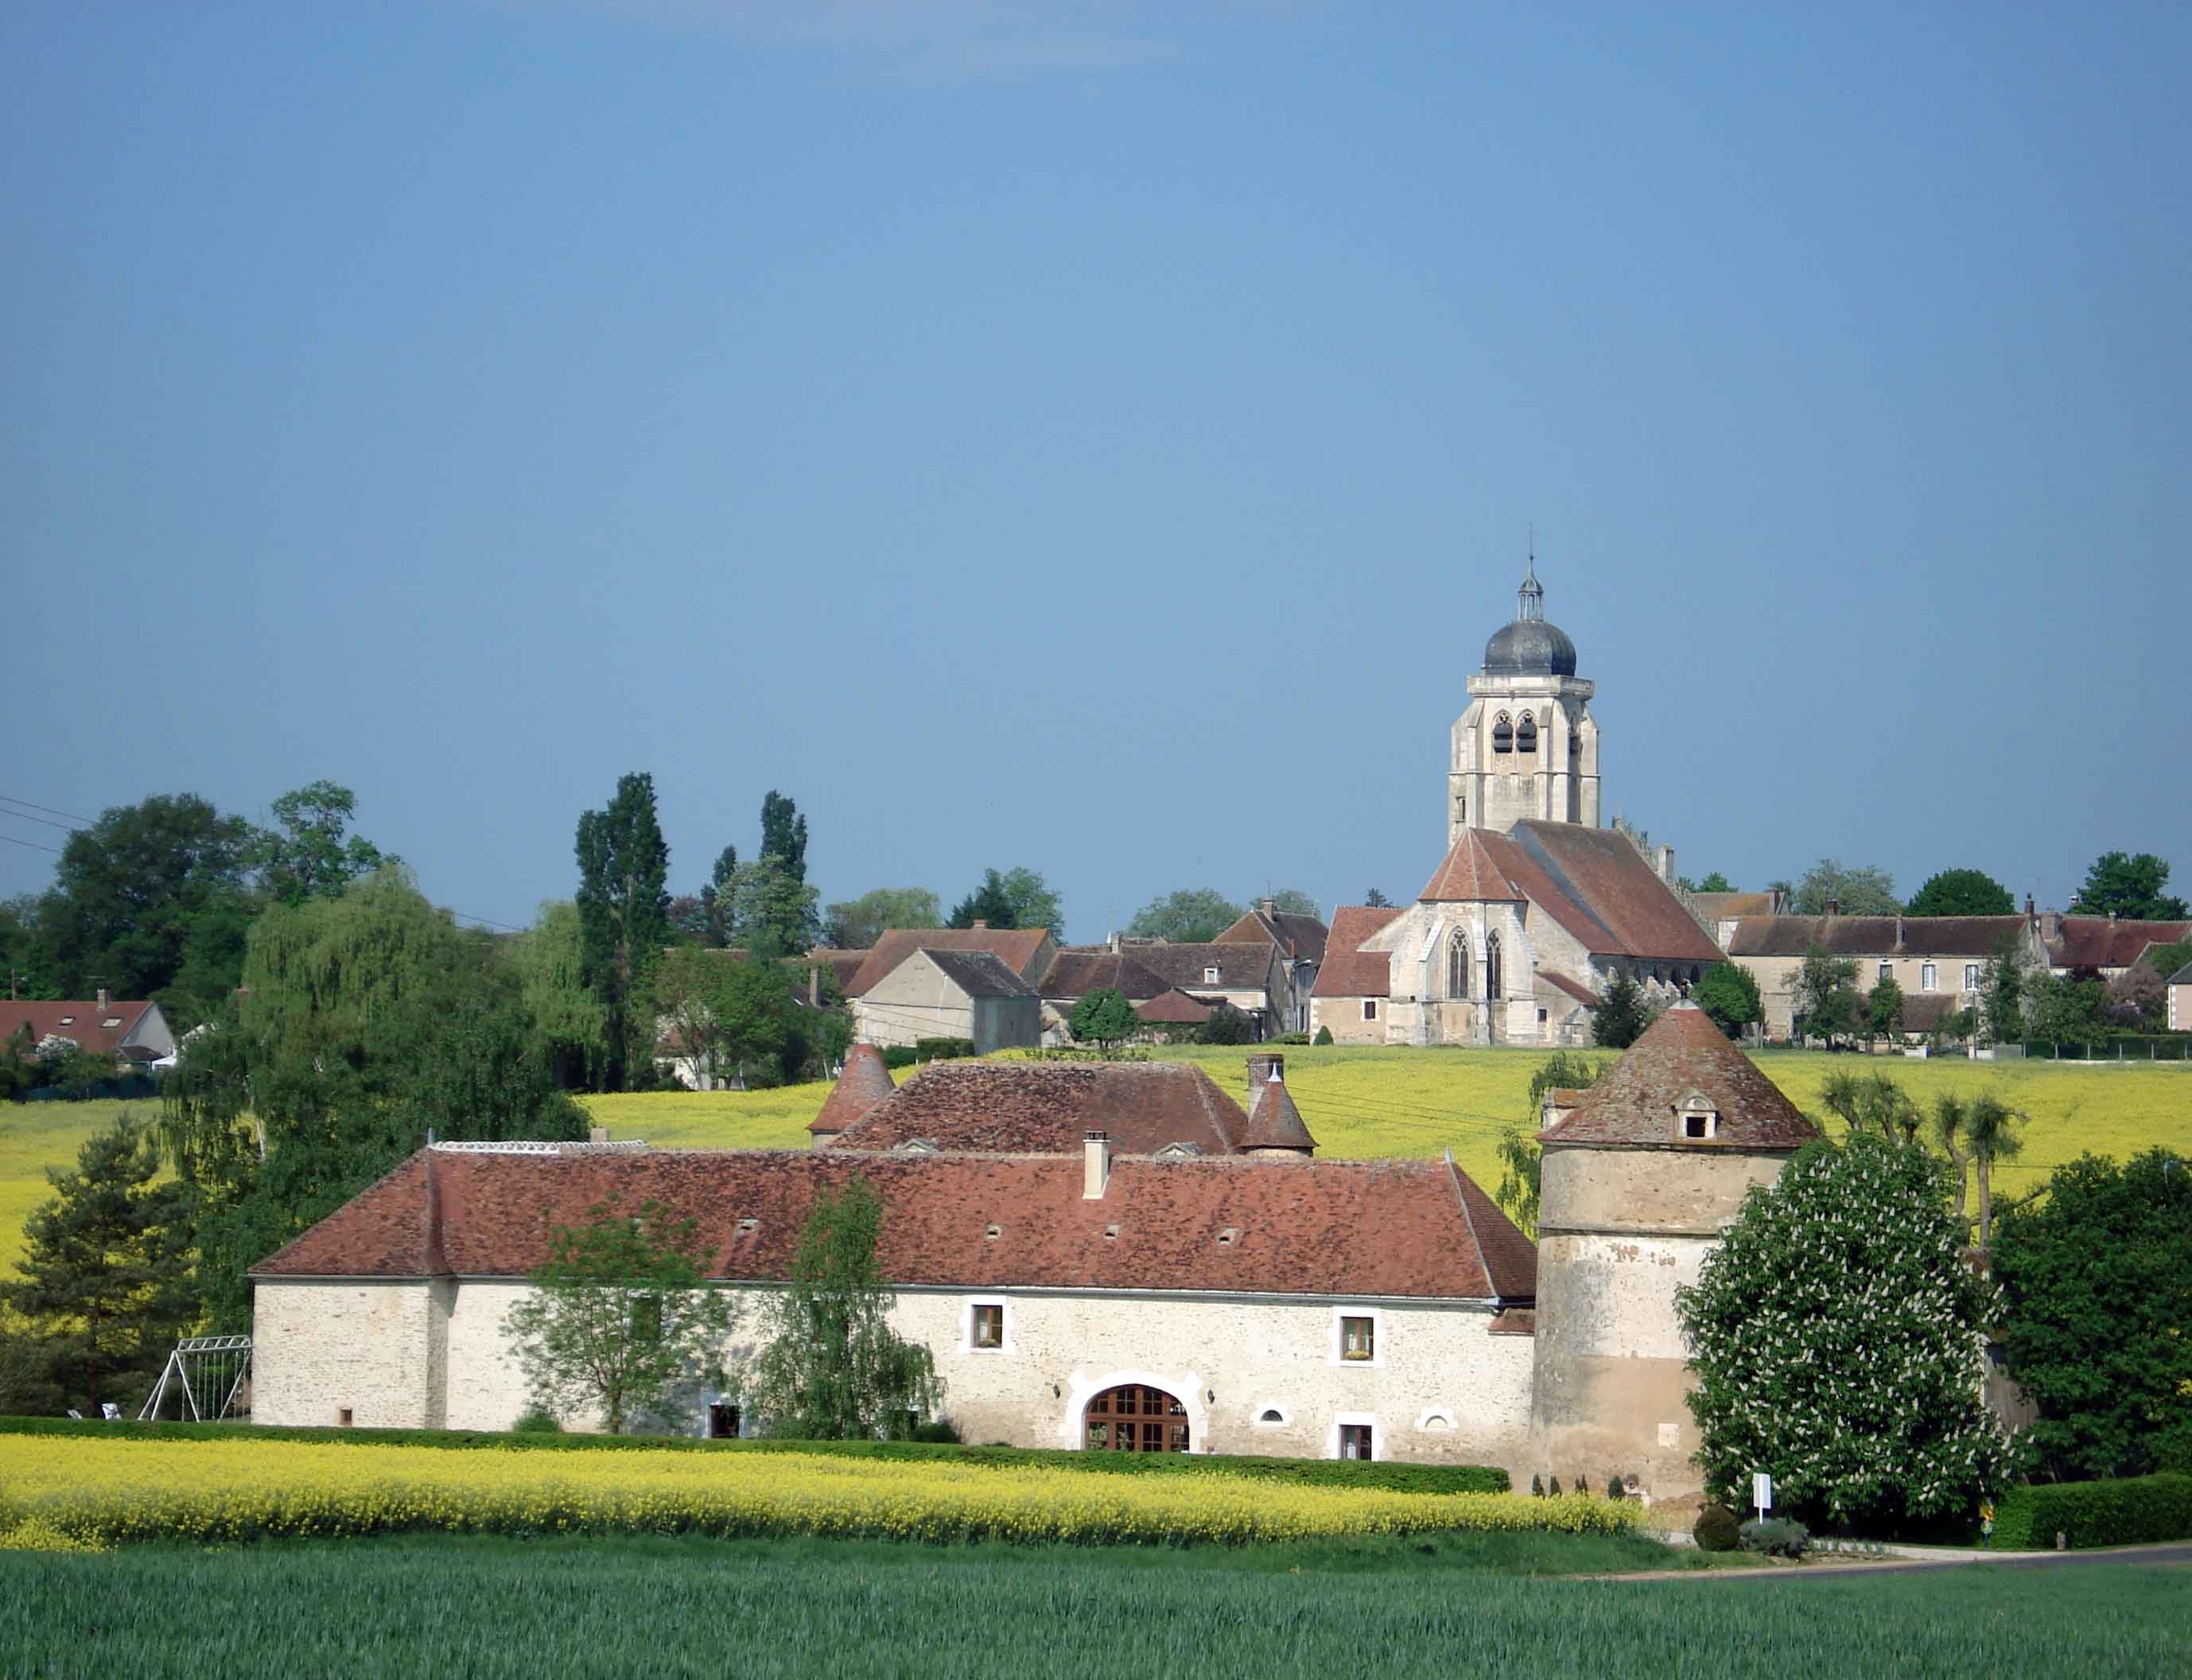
(77,1491)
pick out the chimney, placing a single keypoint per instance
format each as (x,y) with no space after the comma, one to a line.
(1899,930)
(2051,925)
(1114,941)
(814,985)
(980,926)
(1095,1165)
(597,1134)
(2031,914)
(1834,906)
(103,998)
(1667,864)
(1269,906)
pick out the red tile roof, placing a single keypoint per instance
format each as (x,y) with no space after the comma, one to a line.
(1968,936)
(978,974)
(1349,971)
(1020,949)
(80,1022)
(1596,877)
(1274,1121)
(1240,967)
(2095,942)
(865,1082)
(1075,974)
(1405,1228)
(1296,935)
(1174,1007)
(1471,872)
(1575,989)
(1046,1107)
(1714,906)
(1633,1102)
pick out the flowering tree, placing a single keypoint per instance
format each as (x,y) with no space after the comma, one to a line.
(1835,1339)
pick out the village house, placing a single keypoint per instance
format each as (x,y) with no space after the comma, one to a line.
(1265,965)
(919,983)
(2179,1007)
(1111,1255)
(133,1032)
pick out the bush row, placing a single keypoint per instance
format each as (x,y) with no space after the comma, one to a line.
(1401,1478)
(2138,1509)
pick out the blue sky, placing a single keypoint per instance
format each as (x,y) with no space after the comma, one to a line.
(1102,436)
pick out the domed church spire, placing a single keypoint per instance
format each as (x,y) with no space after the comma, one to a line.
(1530,608)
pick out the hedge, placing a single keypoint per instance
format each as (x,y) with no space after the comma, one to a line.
(2135,1510)
(1400,1478)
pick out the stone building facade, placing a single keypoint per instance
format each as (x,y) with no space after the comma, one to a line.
(1526,749)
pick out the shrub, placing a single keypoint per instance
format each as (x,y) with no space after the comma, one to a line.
(1227,1025)
(1775,1536)
(937,1431)
(1292,1038)
(2135,1510)
(1614,1488)
(539,1420)
(1717,1529)
(1537,1486)
(1323,1035)
(898,1056)
(942,1049)
(1553,1487)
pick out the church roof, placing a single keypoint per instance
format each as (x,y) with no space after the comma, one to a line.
(865,1082)
(1349,971)
(1405,1228)
(1530,647)
(1683,1052)
(1596,884)
(1471,872)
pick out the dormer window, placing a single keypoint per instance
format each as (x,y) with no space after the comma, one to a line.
(112,1021)
(1697,1120)
(1210,976)
(68,1021)
(748,1225)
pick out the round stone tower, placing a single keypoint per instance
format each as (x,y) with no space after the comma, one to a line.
(1527,746)
(1638,1182)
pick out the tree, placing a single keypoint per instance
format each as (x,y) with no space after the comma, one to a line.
(1622,1012)
(2096,1286)
(550,958)
(1989,1135)
(858,923)
(1013,898)
(783,833)
(1951,1116)
(773,913)
(1961,892)
(1226,1025)
(1715,882)
(716,898)
(989,904)
(1521,1159)
(1883,1008)
(2130,886)
(722,1011)
(688,915)
(104,1279)
(1192,916)
(1835,1339)
(2138,1000)
(834,1369)
(620,1315)
(623,863)
(2066,1009)
(369,1021)
(2002,991)
(1864,891)
(2166,960)
(1376,901)
(1104,1017)
(306,854)
(1826,993)
(1728,994)
(139,892)
(1872,1103)
(1293,902)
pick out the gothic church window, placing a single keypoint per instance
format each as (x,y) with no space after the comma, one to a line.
(1456,967)
(1503,736)
(1491,986)
(1526,735)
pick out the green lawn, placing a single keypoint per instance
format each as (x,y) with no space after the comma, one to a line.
(494,1609)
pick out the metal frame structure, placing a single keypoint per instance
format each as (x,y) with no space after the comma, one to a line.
(208,1371)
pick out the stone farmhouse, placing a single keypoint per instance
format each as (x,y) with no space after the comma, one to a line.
(1115,1256)
(979,983)
(1939,962)
(1534,907)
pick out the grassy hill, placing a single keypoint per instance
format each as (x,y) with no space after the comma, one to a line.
(1359,1102)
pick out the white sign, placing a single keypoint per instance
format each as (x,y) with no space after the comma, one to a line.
(1762,1490)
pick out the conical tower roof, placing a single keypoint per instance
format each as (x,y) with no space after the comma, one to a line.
(865,1082)
(1274,1121)
(1682,1055)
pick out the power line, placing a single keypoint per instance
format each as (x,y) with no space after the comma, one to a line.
(25,816)
(32,844)
(10,799)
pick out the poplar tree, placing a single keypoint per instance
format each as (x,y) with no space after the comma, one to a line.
(624,866)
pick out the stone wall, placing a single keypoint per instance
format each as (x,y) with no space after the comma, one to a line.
(1440,1385)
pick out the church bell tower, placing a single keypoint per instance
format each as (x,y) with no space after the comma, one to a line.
(1528,747)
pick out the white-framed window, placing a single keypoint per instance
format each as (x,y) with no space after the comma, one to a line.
(1970,977)
(1887,971)
(1929,976)
(986,1327)
(1357,1336)
(1270,1414)
(1369,1009)
(1355,1435)
(1210,976)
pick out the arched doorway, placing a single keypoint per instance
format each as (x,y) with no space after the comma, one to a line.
(1133,1418)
